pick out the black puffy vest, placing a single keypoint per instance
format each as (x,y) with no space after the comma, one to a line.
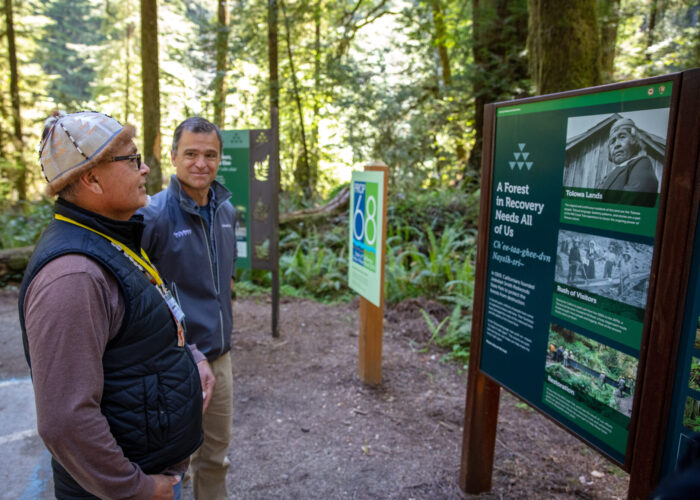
(152,396)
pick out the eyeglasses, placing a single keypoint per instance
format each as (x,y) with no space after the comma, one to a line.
(136,157)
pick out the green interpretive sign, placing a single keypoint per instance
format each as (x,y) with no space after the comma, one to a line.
(574,207)
(234,173)
(366,198)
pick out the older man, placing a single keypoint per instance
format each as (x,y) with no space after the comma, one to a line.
(118,394)
(633,180)
(191,236)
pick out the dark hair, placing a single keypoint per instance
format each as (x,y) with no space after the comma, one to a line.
(196,125)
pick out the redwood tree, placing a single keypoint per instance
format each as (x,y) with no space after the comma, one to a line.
(500,68)
(564,45)
(151,93)
(20,174)
(222,32)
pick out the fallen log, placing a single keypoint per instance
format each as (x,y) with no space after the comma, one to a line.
(333,207)
(13,262)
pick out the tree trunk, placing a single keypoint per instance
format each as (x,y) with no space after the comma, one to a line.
(221,64)
(440,38)
(151,93)
(651,25)
(20,173)
(564,45)
(272,46)
(441,41)
(129,35)
(314,141)
(301,172)
(609,16)
(500,38)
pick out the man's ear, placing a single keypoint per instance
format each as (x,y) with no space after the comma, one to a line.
(90,180)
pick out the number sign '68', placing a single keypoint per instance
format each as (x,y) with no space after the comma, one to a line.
(365,234)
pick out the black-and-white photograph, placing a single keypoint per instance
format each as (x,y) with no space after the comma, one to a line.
(621,154)
(612,268)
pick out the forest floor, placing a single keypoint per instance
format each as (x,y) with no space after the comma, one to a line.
(306,427)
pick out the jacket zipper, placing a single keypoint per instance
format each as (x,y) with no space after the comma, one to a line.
(210,241)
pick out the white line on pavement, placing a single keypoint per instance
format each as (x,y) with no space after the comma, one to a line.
(17,436)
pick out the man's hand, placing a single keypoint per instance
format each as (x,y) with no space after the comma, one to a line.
(208,382)
(164,486)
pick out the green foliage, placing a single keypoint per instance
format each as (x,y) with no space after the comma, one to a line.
(671,43)
(454,332)
(315,263)
(23,223)
(66,51)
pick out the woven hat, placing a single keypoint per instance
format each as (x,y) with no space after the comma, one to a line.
(74,143)
(622,122)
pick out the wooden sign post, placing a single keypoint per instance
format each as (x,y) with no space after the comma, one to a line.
(366,264)
(583,270)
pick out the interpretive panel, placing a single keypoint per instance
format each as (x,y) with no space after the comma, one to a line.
(234,173)
(366,198)
(575,197)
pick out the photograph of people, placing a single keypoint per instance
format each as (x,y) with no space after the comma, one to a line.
(621,154)
(613,268)
(601,375)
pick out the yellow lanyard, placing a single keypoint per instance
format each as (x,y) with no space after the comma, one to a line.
(148,268)
(145,262)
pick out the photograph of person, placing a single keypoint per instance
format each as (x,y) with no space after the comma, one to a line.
(620,154)
(613,268)
(600,374)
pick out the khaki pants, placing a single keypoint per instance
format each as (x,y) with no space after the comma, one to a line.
(210,463)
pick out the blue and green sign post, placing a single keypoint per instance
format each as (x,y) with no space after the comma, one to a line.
(367,238)
(570,262)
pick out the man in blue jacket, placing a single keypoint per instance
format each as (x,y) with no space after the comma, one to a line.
(191,238)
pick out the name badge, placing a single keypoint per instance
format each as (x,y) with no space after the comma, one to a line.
(174,306)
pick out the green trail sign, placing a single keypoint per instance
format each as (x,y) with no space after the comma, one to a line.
(234,173)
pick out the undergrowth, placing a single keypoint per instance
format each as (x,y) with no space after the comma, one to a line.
(430,251)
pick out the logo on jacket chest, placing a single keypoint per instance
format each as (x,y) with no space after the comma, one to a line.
(184,232)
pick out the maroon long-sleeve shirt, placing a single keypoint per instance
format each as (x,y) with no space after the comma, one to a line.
(73,308)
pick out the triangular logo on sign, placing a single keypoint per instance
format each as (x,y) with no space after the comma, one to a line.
(528,164)
(525,155)
(520,165)
(512,165)
(517,155)
(521,146)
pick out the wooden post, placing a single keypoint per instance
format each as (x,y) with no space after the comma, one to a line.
(372,317)
(275,174)
(481,411)
(660,350)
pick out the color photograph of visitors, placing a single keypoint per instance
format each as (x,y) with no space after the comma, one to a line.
(612,268)
(691,414)
(600,374)
(694,379)
(620,154)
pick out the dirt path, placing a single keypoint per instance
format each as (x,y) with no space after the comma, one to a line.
(306,428)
